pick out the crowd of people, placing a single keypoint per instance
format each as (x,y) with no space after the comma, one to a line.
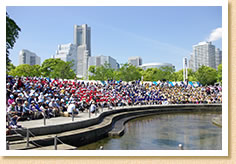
(36,97)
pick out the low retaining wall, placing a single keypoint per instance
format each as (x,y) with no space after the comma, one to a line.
(84,132)
(60,128)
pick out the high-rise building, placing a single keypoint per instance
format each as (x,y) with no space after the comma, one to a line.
(82,36)
(101,60)
(203,54)
(136,61)
(82,39)
(27,57)
(67,52)
(218,55)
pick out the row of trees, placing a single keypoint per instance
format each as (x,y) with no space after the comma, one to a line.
(53,68)
(56,68)
(205,75)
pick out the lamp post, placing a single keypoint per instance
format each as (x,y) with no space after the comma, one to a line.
(185,69)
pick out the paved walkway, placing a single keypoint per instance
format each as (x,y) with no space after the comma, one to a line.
(81,116)
(60,120)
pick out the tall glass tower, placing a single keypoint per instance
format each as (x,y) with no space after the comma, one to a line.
(82,39)
(82,36)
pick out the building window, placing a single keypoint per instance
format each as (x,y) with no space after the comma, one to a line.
(32,60)
(24,58)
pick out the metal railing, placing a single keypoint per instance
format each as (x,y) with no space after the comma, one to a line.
(28,133)
(72,115)
(44,118)
(56,139)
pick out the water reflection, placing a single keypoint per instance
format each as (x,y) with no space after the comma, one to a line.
(166,132)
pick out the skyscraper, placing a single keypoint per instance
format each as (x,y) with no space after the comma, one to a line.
(27,57)
(136,61)
(82,39)
(218,55)
(203,54)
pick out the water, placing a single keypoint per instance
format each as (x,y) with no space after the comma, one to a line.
(165,132)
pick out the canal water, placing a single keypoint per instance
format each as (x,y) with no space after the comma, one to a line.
(194,131)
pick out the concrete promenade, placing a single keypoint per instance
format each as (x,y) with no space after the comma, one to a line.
(83,116)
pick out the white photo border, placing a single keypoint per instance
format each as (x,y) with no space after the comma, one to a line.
(223,152)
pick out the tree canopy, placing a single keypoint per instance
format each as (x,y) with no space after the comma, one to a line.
(23,70)
(206,75)
(12,34)
(128,72)
(57,68)
(219,73)
(54,68)
(102,72)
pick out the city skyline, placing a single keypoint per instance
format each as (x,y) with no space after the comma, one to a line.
(166,39)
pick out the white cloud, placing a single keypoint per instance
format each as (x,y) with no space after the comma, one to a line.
(216,34)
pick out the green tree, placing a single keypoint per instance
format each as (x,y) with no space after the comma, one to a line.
(36,70)
(12,34)
(178,76)
(129,72)
(155,74)
(102,72)
(10,67)
(63,70)
(167,73)
(219,73)
(92,69)
(148,74)
(191,75)
(57,68)
(152,74)
(22,70)
(48,66)
(206,75)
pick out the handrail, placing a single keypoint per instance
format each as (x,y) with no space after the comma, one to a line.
(55,142)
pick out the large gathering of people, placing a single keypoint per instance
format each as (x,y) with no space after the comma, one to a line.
(36,97)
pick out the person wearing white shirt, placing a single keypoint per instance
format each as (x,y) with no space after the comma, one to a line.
(71,108)
(93,107)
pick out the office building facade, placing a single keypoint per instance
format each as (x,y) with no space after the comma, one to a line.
(101,60)
(28,57)
(136,61)
(204,53)
(218,55)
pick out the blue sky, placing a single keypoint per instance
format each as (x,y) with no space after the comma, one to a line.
(157,34)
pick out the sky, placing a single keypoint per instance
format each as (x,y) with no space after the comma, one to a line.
(155,33)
